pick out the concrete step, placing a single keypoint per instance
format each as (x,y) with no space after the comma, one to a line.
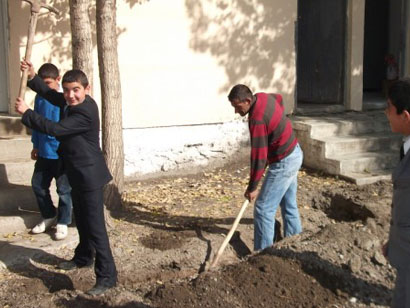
(18,207)
(363,178)
(20,246)
(12,126)
(18,221)
(13,197)
(17,171)
(366,162)
(351,123)
(15,147)
(340,145)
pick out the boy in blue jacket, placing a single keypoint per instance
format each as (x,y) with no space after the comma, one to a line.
(48,165)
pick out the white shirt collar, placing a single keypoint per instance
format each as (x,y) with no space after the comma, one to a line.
(406,144)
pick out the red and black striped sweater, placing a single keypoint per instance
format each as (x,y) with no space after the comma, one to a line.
(272,136)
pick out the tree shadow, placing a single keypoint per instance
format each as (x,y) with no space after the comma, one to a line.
(335,278)
(20,259)
(140,214)
(249,39)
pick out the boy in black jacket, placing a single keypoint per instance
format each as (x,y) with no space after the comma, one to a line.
(78,133)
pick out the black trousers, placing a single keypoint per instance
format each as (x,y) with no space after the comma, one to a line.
(88,207)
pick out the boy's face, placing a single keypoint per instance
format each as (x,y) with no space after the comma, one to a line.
(74,92)
(53,83)
(399,123)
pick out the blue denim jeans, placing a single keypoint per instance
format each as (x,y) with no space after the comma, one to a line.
(279,188)
(44,172)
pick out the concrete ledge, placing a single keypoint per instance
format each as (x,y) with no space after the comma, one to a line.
(181,148)
(368,178)
(10,126)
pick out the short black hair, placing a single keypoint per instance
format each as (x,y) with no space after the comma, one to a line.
(48,70)
(76,76)
(399,95)
(240,92)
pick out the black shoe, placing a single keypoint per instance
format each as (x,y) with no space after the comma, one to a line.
(70,265)
(98,289)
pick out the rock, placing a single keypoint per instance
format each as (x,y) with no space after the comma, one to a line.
(371,224)
(367,245)
(355,264)
(379,259)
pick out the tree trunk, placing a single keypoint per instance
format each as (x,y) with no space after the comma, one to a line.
(81,39)
(113,147)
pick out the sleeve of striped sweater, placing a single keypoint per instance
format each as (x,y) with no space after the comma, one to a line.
(259,152)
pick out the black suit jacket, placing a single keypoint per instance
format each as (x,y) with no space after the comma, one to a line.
(78,133)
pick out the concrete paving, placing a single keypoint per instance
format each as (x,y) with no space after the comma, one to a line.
(17,247)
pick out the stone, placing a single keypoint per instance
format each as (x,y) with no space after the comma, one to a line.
(379,259)
(355,264)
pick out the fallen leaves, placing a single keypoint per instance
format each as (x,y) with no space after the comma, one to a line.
(216,193)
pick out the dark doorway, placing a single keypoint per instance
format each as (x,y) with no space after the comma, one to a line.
(375,44)
(321,51)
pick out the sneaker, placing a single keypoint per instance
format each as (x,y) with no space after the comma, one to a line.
(61,232)
(43,226)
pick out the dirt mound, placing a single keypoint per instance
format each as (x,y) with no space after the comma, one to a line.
(263,280)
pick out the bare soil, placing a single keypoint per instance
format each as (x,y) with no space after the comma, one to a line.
(171,227)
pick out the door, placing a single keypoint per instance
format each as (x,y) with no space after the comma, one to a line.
(375,44)
(4,98)
(321,51)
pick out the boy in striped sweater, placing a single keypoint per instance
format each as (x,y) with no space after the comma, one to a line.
(273,144)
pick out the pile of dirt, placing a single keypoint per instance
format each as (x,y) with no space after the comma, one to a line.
(171,227)
(262,281)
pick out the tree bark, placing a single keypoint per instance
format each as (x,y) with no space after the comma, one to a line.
(113,147)
(81,39)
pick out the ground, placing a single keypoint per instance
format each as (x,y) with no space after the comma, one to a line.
(171,228)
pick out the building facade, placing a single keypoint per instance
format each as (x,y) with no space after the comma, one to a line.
(178,60)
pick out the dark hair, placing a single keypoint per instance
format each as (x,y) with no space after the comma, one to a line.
(48,70)
(399,95)
(240,92)
(76,76)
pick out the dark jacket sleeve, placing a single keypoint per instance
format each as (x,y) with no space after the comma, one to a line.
(40,87)
(78,121)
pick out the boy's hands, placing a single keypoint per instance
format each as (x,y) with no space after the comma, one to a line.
(27,65)
(34,154)
(21,106)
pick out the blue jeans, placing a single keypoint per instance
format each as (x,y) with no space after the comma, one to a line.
(44,172)
(279,188)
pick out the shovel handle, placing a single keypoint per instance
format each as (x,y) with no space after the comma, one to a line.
(27,57)
(231,232)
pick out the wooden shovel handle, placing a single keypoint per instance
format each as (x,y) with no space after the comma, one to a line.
(231,232)
(29,47)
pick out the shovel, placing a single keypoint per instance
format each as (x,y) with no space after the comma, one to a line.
(229,236)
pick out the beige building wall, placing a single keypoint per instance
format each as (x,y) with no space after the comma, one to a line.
(178,59)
